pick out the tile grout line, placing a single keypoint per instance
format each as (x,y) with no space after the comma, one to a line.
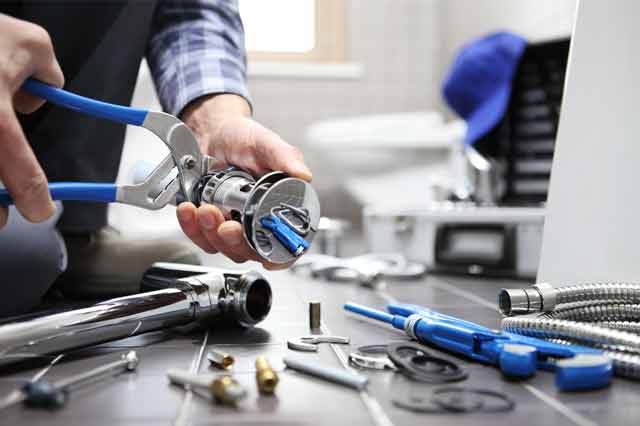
(561,408)
(185,407)
(376,412)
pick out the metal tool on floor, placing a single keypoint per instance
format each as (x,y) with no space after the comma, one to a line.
(310,343)
(224,389)
(45,394)
(279,214)
(220,359)
(576,367)
(371,362)
(367,269)
(217,297)
(266,376)
(332,374)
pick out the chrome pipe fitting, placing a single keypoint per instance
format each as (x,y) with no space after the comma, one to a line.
(518,301)
(279,214)
(244,298)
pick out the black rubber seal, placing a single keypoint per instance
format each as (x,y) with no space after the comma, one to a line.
(458,399)
(413,361)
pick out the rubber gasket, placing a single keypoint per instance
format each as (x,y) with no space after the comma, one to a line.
(454,404)
(419,405)
(417,364)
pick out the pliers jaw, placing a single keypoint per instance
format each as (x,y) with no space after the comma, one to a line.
(184,151)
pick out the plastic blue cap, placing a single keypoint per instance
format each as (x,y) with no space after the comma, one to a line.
(518,360)
(585,372)
(287,236)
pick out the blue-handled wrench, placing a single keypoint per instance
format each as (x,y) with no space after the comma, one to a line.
(576,367)
(185,164)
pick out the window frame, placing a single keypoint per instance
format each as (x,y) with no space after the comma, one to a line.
(330,38)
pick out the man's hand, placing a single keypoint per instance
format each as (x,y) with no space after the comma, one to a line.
(224,130)
(25,51)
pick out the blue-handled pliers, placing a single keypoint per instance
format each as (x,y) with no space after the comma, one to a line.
(184,166)
(577,367)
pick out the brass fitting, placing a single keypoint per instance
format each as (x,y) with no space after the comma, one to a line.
(266,377)
(220,359)
(226,390)
(314,316)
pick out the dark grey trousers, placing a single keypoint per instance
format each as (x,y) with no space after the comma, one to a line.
(31,258)
(99,46)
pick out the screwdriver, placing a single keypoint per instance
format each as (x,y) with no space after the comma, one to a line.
(42,393)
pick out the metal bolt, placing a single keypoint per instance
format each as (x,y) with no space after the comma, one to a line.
(220,359)
(188,162)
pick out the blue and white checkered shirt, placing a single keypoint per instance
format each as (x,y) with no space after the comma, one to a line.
(196,48)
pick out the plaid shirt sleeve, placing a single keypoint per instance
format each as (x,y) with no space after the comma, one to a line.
(196,48)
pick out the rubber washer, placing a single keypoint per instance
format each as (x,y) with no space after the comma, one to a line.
(416,363)
(419,405)
(444,398)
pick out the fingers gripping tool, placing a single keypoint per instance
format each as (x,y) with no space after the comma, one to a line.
(279,213)
(576,367)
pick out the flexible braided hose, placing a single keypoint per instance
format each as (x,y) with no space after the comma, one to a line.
(597,312)
(602,315)
(562,329)
(620,292)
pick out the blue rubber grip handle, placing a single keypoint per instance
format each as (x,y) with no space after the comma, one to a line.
(74,191)
(119,113)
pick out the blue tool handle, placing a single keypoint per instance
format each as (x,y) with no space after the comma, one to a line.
(74,191)
(119,113)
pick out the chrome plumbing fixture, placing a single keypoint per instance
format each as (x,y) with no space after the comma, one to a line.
(241,297)
(220,359)
(603,315)
(279,214)
(315,320)
(44,394)
(332,374)
(331,232)
(224,389)
(310,343)
(544,297)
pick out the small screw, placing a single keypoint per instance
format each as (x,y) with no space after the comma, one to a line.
(188,162)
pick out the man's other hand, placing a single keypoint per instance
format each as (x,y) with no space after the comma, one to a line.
(25,51)
(224,130)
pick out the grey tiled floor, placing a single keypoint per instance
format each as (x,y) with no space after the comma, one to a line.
(146,397)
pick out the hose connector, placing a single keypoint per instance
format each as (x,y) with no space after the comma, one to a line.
(519,301)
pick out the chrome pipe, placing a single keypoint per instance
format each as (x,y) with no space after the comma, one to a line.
(244,298)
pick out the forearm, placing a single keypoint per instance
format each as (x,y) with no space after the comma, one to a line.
(197,49)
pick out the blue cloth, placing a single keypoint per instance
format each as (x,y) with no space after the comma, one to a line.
(478,85)
(196,48)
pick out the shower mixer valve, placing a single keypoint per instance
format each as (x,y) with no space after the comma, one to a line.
(279,214)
